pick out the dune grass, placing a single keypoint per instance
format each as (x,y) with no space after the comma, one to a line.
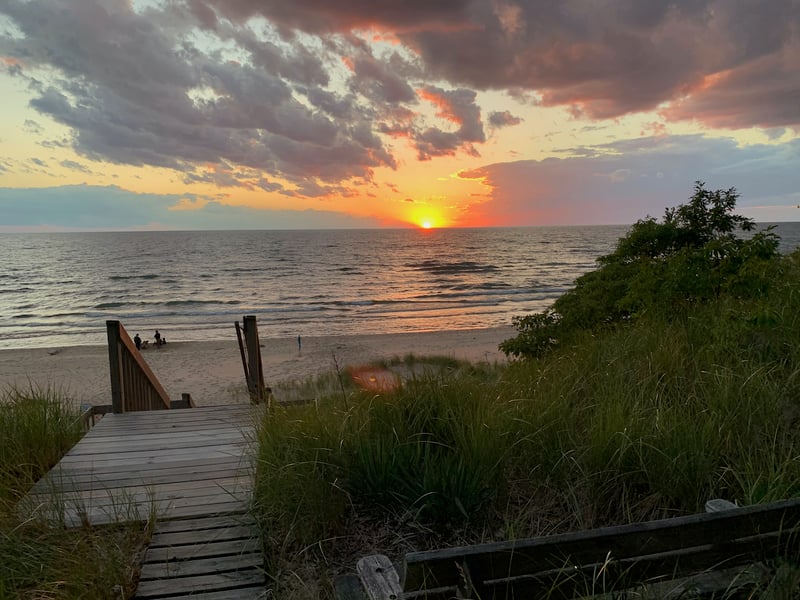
(38,561)
(642,420)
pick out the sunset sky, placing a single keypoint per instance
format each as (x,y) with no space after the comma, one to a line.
(273,114)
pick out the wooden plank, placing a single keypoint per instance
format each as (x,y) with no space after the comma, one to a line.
(194,486)
(157,437)
(521,557)
(201,566)
(153,433)
(379,577)
(150,457)
(119,502)
(200,583)
(130,467)
(133,478)
(197,422)
(257,592)
(210,549)
(72,517)
(63,472)
(182,538)
(623,574)
(165,443)
(180,525)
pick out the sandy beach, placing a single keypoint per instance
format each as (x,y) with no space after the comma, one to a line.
(212,371)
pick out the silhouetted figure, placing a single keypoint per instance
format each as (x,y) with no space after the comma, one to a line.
(299,344)
(138,341)
(157,337)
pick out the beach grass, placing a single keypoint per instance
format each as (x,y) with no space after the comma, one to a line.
(640,420)
(37,560)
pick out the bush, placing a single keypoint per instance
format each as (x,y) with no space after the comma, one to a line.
(693,255)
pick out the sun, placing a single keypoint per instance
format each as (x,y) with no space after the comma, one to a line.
(426,224)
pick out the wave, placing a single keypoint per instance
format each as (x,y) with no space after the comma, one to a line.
(201,302)
(110,305)
(129,277)
(453,268)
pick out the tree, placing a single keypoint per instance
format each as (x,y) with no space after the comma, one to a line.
(693,255)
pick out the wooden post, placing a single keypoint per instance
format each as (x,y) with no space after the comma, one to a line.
(242,352)
(255,379)
(115,365)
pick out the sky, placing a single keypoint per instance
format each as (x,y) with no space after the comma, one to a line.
(268,114)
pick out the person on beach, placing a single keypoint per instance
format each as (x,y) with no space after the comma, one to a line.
(138,341)
(157,337)
(299,344)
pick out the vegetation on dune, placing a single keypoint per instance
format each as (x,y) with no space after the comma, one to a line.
(693,256)
(36,560)
(668,376)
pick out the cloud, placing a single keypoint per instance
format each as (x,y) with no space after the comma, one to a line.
(75,166)
(136,90)
(459,108)
(498,119)
(83,207)
(315,94)
(624,181)
(603,59)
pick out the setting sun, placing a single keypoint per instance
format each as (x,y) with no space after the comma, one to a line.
(426,225)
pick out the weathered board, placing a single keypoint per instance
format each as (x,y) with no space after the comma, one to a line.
(213,558)
(190,470)
(167,463)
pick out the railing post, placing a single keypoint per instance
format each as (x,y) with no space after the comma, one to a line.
(255,383)
(115,365)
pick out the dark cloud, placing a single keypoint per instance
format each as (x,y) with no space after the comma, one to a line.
(459,108)
(504,118)
(321,16)
(134,90)
(622,182)
(603,59)
(304,96)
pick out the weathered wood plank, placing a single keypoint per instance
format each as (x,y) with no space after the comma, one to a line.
(258,592)
(197,536)
(140,478)
(201,566)
(226,548)
(508,559)
(151,456)
(200,583)
(62,471)
(181,525)
(164,441)
(379,578)
(143,493)
(126,513)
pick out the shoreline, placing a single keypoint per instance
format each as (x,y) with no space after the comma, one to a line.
(212,371)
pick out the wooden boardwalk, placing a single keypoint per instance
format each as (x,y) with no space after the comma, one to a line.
(191,471)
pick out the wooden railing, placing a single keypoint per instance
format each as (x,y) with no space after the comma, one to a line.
(133,385)
(250,349)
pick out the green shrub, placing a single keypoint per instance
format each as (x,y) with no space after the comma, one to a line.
(693,255)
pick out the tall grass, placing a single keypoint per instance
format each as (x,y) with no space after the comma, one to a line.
(38,561)
(644,420)
(38,428)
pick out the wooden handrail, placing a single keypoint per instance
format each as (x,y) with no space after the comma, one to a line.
(134,386)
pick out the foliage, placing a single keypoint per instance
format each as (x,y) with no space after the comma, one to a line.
(621,424)
(38,428)
(693,255)
(37,560)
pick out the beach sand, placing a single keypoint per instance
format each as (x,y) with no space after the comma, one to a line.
(212,371)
